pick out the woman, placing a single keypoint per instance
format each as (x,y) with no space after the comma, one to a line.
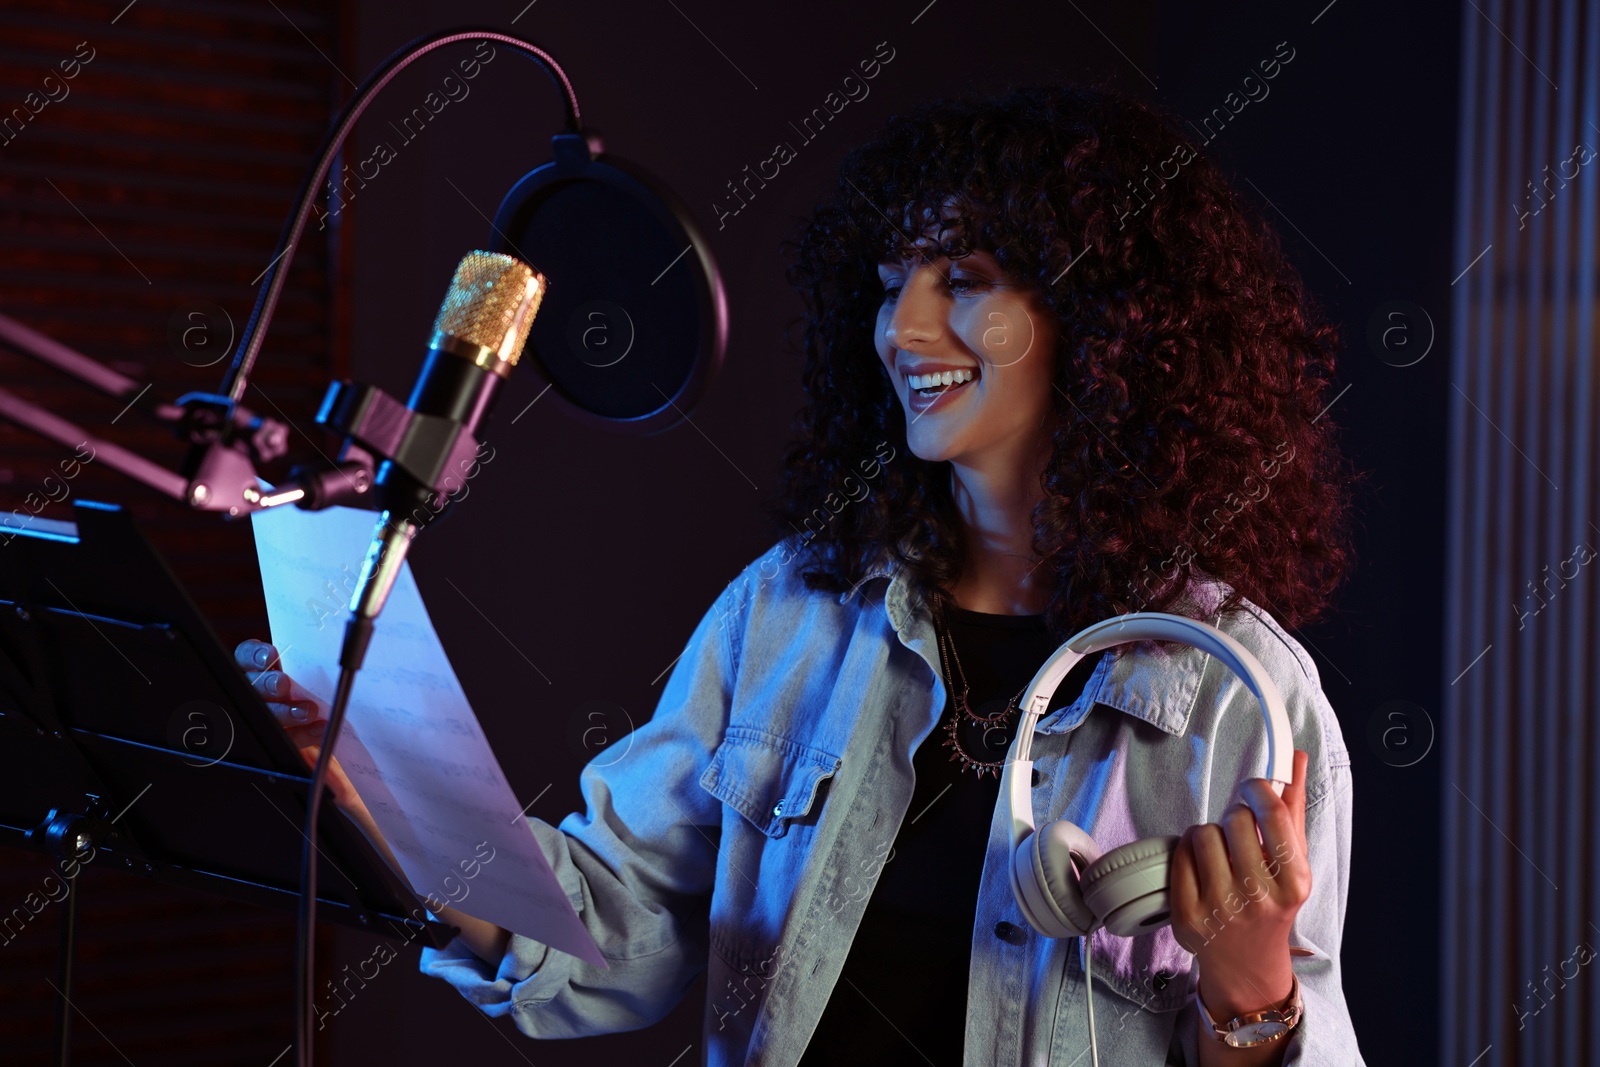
(1099,388)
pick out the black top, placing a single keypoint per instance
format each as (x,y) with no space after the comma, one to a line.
(903,989)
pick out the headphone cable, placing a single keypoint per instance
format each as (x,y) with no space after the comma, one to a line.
(1088,986)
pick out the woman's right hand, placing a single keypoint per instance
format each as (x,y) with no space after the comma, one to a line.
(303,717)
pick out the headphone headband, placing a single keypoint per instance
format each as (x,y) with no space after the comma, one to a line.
(1126,629)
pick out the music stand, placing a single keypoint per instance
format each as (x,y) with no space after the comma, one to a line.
(130,738)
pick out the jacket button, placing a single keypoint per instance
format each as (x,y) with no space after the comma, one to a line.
(1161,979)
(777,809)
(1009,932)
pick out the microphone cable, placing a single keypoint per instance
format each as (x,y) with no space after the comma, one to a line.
(358,631)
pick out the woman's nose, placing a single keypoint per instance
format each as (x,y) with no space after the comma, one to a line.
(918,313)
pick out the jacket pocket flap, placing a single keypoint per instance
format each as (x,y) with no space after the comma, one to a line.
(1152,970)
(766,778)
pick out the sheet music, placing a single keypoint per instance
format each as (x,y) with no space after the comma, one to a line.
(410,742)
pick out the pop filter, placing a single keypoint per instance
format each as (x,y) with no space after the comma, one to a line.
(635,320)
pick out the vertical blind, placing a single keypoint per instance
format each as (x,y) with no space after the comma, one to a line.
(1521,914)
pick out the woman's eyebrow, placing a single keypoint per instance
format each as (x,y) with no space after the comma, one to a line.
(970,261)
(920,257)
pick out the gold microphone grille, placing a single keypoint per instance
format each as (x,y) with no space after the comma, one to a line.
(492,302)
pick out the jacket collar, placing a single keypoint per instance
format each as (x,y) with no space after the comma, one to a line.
(1145,681)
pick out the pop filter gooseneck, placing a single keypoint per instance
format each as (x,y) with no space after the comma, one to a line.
(635,323)
(255,331)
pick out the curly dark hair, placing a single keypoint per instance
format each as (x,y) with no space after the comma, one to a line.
(1190,363)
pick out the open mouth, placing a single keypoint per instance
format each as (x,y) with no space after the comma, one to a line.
(929,386)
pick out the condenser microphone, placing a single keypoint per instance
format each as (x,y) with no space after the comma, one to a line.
(429,449)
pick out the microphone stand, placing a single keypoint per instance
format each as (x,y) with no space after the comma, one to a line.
(226,440)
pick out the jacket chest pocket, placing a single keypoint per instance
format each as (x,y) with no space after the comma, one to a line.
(768,779)
(1151,970)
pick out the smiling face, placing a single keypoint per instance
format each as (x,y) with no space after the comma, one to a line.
(962,318)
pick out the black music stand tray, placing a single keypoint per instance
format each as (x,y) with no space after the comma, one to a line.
(129,738)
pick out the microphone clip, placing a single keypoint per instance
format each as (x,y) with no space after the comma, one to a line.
(425,459)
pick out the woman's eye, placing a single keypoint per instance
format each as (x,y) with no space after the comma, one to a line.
(891,291)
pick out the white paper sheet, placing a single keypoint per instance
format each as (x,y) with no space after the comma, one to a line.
(410,742)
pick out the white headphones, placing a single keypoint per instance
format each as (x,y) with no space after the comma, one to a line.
(1061,881)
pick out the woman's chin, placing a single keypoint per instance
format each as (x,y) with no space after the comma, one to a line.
(929,444)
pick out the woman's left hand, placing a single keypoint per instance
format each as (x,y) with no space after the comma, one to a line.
(1235,896)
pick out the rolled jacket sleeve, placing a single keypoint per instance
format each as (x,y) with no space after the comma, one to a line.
(638,866)
(1325,1035)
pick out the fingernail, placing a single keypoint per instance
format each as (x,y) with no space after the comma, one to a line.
(275,683)
(299,713)
(263,656)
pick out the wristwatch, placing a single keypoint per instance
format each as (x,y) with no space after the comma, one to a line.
(1256,1027)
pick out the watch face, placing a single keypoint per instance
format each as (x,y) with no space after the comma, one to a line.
(1256,1034)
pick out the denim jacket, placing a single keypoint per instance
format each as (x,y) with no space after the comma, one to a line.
(742,830)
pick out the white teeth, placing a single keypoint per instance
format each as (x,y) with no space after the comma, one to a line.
(929,381)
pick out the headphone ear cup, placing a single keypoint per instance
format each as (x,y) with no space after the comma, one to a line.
(1130,886)
(1046,881)
(1029,896)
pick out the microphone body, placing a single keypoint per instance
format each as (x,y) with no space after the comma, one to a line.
(428,446)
